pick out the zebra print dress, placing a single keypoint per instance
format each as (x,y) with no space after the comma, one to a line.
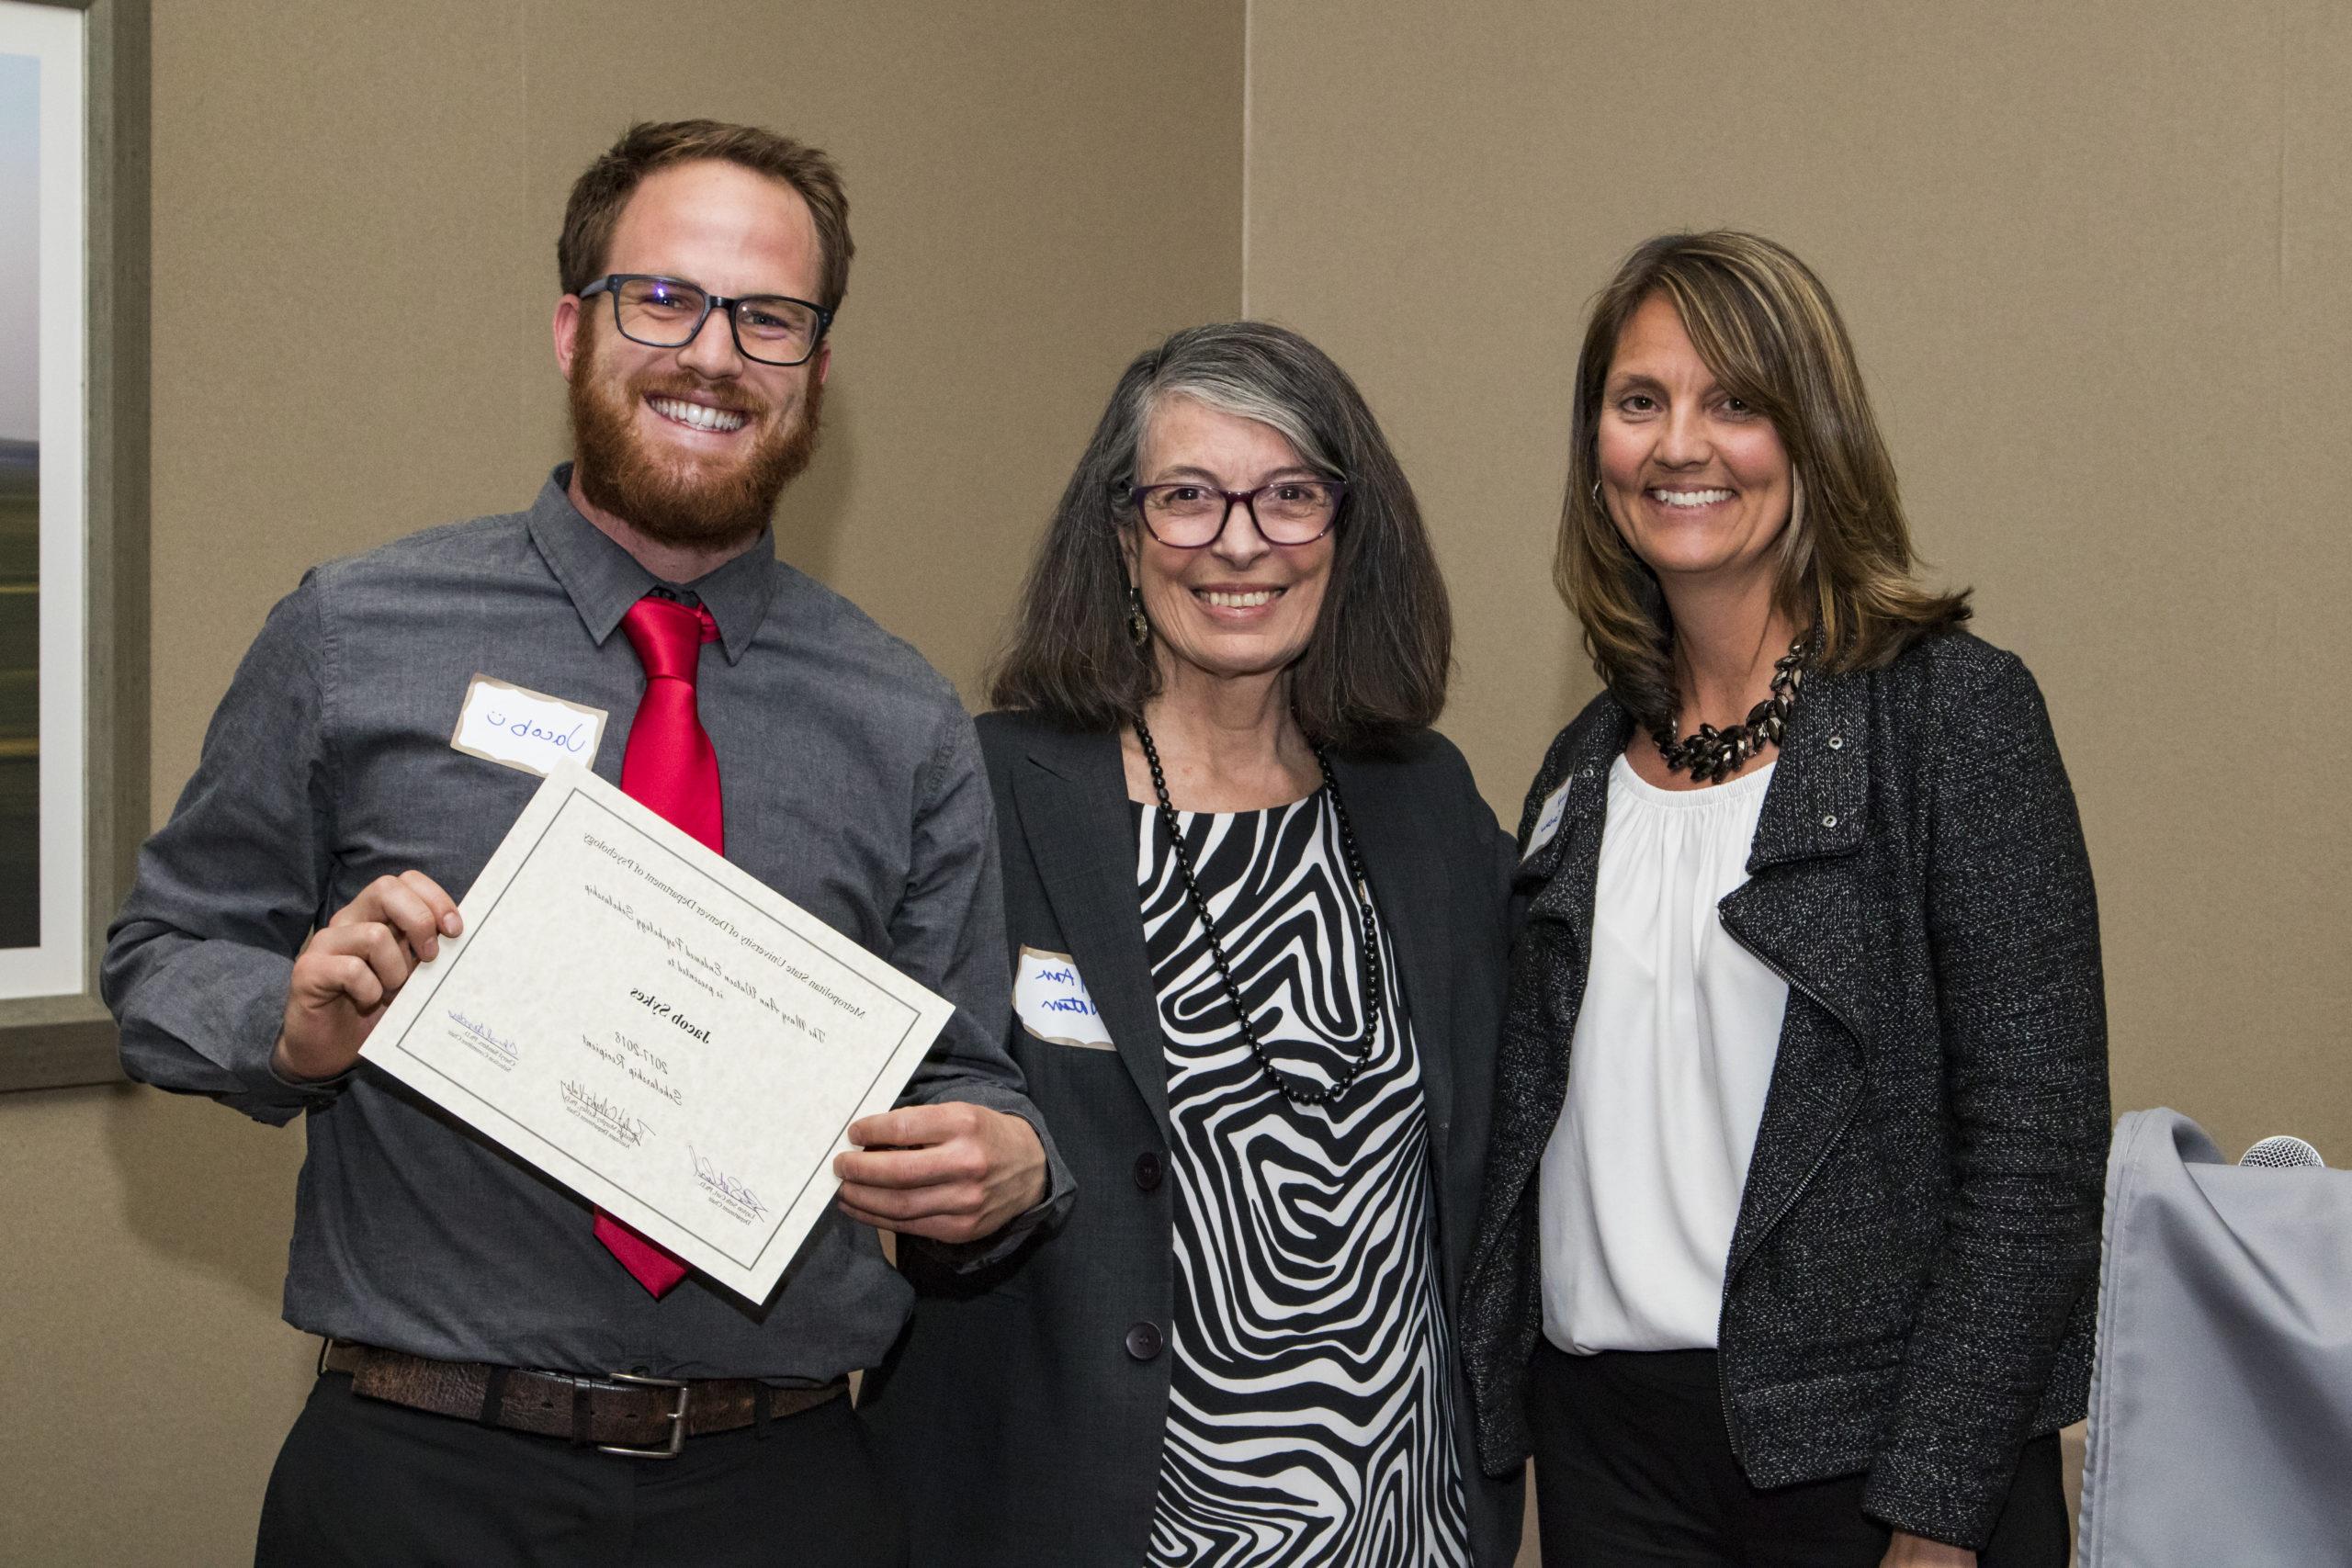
(1309,1418)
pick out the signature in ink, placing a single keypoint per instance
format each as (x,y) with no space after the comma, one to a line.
(725,1186)
(498,1045)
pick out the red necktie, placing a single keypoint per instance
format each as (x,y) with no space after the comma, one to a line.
(670,767)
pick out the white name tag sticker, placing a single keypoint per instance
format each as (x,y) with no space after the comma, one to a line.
(1547,822)
(529,730)
(1052,1004)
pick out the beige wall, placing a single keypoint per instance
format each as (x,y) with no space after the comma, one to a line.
(2097,262)
(354,215)
(2094,259)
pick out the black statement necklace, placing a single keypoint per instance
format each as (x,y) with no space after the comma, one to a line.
(1297,1090)
(1713,755)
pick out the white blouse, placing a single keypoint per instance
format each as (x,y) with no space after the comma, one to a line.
(1666,1076)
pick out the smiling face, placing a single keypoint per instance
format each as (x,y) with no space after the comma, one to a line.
(1698,484)
(691,446)
(1237,606)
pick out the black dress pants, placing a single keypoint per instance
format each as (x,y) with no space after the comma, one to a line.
(1633,1469)
(361,1484)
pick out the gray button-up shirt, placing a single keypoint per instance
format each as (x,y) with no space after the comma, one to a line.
(852,784)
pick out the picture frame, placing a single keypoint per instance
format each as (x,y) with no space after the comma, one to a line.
(87,732)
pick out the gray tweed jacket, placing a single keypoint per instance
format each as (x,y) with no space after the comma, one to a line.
(1909,1290)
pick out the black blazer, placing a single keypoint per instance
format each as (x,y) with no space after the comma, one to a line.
(1025,1407)
(1909,1290)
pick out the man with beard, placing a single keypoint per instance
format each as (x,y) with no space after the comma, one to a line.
(489,1339)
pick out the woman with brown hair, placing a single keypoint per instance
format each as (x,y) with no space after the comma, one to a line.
(1791,1216)
(1255,908)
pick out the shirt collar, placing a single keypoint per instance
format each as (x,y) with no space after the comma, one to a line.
(603,580)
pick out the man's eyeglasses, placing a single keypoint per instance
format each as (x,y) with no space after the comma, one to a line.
(666,313)
(1287,512)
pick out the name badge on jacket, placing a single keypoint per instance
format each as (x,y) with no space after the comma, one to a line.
(525,729)
(1052,1004)
(1547,822)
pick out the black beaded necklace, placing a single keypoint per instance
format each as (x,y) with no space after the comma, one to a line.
(1713,755)
(1297,1090)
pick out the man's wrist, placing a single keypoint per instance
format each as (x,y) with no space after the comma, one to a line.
(285,1070)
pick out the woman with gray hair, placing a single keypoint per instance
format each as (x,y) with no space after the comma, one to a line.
(1255,908)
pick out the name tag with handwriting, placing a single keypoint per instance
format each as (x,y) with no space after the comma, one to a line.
(529,730)
(1052,1004)
(1547,822)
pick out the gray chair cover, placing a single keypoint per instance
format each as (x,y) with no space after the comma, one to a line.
(2221,1418)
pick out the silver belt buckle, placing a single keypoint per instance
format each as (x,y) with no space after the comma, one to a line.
(677,1417)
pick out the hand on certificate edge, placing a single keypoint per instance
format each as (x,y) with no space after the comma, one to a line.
(353,966)
(1906,1550)
(953,1172)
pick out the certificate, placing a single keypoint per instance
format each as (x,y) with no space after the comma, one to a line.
(657,1030)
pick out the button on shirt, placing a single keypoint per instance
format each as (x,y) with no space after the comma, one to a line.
(852,785)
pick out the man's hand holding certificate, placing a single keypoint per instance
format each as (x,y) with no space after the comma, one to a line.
(661,1032)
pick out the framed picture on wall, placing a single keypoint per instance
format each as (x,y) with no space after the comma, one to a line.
(73,516)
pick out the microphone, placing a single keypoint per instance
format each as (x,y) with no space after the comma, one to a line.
(2281,1153)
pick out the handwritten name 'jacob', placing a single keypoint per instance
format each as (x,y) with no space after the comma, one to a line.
(530,729)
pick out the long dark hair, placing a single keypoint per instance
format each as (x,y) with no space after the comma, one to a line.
(1377,663)
(1767,329)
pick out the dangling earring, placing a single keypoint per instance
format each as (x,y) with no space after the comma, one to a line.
(1138,628)
(1596,492)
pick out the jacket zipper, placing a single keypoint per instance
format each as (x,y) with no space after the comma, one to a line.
(1723,1312)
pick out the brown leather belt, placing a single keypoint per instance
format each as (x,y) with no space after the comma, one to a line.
(621,1413)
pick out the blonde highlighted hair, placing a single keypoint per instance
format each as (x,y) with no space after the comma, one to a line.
(1768,330)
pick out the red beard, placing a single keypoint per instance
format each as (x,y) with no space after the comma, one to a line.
(699,504)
